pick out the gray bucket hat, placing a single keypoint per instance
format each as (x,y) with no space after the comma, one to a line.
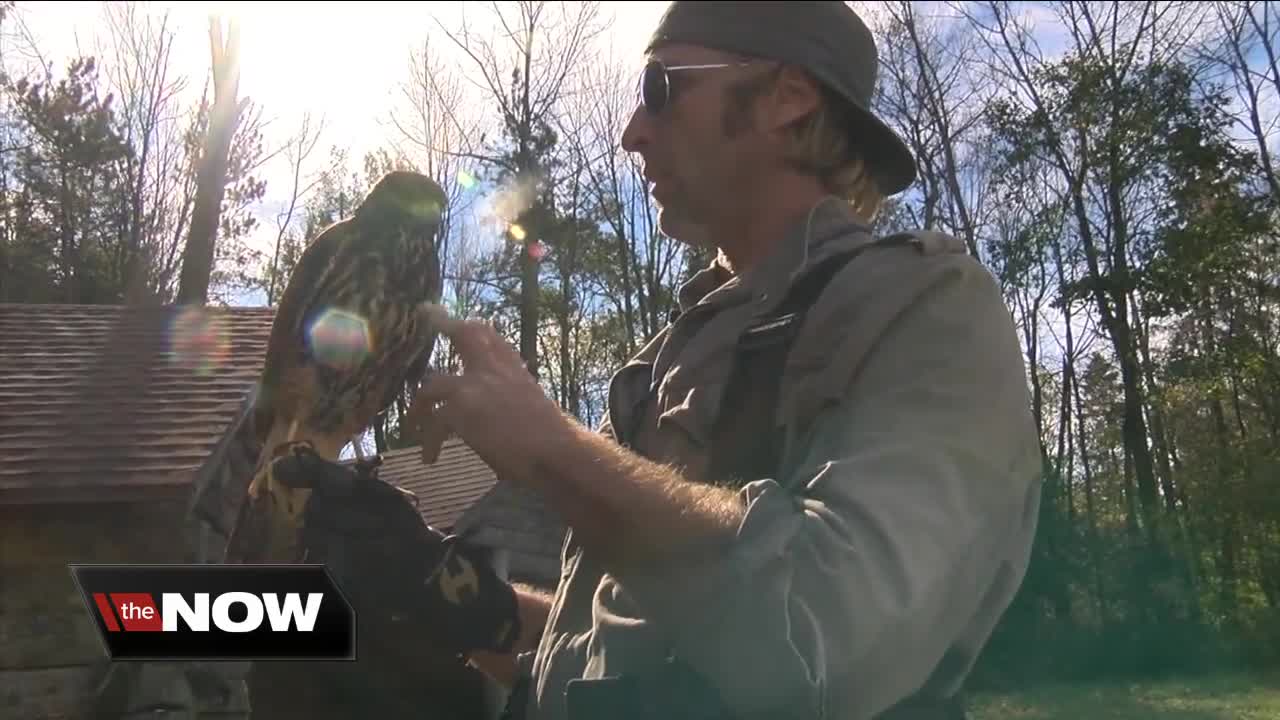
(826,38)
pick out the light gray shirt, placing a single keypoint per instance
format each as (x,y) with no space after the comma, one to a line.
(882,560)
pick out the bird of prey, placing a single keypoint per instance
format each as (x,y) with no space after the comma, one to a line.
(350,331)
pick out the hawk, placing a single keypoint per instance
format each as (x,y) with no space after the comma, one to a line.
(350,331)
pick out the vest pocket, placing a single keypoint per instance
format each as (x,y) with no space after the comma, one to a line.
(628,390)
(694,416)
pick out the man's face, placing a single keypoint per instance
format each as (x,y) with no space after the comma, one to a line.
(700,150)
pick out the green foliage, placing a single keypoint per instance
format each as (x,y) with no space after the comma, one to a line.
(89,216)
(62,234)
(1121,183)
(236,265)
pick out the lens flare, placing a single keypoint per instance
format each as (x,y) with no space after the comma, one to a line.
(513,198)
(517,232)
(466,180)
(537,250)
(340,339)
(198,340)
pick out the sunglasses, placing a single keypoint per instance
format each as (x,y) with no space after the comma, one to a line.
(656,88)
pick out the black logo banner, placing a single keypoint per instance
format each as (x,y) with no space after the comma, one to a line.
(218,612)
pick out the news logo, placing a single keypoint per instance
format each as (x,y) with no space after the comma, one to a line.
(218,612)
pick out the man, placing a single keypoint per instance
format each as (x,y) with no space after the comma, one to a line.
(832,533)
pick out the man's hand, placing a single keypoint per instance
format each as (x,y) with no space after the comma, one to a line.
(399,573)
(629,510)
(496,406)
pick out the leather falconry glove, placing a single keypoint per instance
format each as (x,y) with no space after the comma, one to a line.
(392,566)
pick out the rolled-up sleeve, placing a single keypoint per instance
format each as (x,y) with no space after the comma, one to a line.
(911,514)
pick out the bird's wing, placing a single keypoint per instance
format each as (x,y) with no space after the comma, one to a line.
(221,480)
(411,373)
(287,371)
(287,374)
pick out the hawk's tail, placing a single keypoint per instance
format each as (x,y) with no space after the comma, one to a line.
(221,481)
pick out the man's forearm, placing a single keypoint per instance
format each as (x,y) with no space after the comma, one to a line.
(630,510)
(533,607)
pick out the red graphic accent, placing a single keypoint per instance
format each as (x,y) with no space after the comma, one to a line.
(104,609)
(138,612)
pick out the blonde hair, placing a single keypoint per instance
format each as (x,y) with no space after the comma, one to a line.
(821,144)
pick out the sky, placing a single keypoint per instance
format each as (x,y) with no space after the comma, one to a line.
(345,61)
(337,60)
(332,59)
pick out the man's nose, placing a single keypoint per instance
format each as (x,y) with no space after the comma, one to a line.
(639,131)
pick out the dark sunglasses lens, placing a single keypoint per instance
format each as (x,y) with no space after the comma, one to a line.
(653,87)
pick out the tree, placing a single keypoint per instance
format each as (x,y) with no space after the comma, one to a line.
(122,213)
(289,243)
(57,249)
(933,91)
(198,257)
(1246,47)
(1091,116)
(436,134)
(637,266)
(524,82)
(147,88)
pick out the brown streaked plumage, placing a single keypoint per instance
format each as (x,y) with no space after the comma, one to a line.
(349,332)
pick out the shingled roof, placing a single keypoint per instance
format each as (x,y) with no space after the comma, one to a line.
(111,402)
(445,489)
(99,401)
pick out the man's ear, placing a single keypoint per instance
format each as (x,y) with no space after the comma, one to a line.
(794,95)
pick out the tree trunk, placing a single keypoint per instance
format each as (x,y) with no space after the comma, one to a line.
(380,432)
(940,117)
(1168,479)
(1157,414)
(1066,438)
(1135,426)
(628,309)
(197,258)
(1113,311)
(1269,567)
(1130,495)
(1091,515)
(1227,522)
(67,229)
(1031,335)
(529,310)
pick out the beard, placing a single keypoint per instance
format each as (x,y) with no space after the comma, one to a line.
(677,224)
(679,217)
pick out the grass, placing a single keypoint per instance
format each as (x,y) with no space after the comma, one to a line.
(1221,697)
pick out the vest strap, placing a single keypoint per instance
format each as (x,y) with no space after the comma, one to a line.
(749,404)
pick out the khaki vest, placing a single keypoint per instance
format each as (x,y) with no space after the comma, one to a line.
(746,440)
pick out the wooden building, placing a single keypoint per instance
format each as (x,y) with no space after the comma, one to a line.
(106,413)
